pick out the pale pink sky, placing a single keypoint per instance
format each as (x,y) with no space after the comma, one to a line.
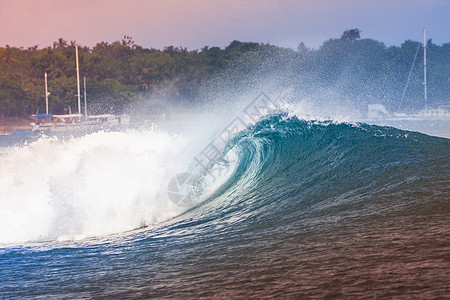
(195,23)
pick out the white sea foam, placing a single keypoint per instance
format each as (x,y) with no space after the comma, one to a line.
(97,184)
(101,183)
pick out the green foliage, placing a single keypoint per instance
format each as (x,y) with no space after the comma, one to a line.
(12,97)
(112,95)
(351,35)
(121,73)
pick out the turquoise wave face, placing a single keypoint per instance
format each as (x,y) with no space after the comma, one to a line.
(326,166)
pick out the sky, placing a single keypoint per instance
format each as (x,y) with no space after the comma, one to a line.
(197,23)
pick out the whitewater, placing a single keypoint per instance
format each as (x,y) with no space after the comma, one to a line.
(291,206)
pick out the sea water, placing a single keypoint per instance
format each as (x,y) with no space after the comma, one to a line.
(303,208)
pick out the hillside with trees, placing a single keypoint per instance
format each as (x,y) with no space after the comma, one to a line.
(121,74)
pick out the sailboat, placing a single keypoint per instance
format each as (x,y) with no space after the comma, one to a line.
(429,120)
(70,122)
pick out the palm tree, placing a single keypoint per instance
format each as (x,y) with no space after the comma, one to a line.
(60,44)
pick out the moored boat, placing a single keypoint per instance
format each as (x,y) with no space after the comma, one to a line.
(78,121)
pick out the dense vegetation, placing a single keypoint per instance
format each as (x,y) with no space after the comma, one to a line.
(122,74)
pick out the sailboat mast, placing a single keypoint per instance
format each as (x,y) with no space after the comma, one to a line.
(46,94)
(425,65)
(78,81)
(85,102)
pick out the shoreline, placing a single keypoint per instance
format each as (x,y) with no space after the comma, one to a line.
(10,124)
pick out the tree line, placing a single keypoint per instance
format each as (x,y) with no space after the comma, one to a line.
(122,74)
